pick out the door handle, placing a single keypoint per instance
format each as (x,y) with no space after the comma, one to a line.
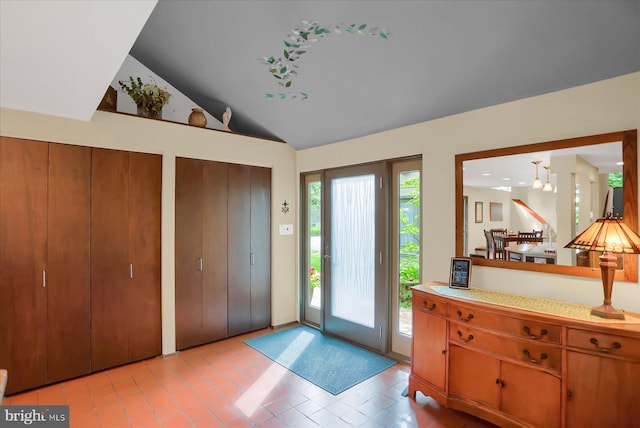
(326,256)
(201,264)
(252,258)
(131,270)
(44,279)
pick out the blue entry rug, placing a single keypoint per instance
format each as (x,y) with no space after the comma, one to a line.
(330,363)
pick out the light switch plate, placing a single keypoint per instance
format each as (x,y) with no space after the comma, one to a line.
(286,229)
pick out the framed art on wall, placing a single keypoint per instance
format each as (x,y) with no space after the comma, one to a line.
(460,275)
(495,211)
(479,218)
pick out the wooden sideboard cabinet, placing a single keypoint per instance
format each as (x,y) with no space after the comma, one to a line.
(524,362)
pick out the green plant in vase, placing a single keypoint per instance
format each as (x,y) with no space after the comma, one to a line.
(148,97)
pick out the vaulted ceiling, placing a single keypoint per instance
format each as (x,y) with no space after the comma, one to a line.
(359,67)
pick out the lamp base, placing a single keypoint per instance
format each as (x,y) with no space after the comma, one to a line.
(608,312)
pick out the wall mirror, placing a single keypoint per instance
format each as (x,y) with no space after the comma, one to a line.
(580,180)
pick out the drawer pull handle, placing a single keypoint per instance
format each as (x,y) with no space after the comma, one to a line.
(469,338)
(527,354)
(467,319)
(527,330)
(500,382)
(428,308)
(614,345)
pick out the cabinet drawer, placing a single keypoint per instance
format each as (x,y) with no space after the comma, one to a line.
(425,303)
(604,343)
(523,328)
(534,353)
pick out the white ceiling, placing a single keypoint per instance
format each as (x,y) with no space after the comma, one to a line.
(518,170)
(441,57)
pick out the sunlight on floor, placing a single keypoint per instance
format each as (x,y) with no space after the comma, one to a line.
(251,400)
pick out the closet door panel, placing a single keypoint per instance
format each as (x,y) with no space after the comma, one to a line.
(144,318)
(214,251)
(68,273)
(23,231)
(261,248)
(189,193)
(239,249)
(109,258)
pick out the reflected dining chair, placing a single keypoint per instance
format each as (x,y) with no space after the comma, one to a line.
(528,237)
(490,245)
(498,242)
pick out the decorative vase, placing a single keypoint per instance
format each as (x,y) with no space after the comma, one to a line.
(145,112)
(197,118)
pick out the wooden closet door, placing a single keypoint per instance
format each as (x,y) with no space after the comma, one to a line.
(145,188)
(239,249)
(214,251)
(23,252)
(110,309)
(68,273)
(188,252)
(260,248)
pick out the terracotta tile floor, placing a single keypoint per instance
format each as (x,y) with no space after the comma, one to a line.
(229,384)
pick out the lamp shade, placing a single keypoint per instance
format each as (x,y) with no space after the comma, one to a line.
(607,235)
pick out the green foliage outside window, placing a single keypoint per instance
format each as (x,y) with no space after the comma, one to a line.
(615,179)
(409,266)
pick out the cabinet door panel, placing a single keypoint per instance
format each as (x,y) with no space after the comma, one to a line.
(69,261)
(531,395)
(214,251)
(188,252)
(473,375)
(109,258)
(239,249)
(260,248)
(428,357)
(604,392)
(145,187)
(23,231)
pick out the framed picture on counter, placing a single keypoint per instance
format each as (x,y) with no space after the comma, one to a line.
(460,275)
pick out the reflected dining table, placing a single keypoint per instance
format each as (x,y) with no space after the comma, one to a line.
(526,253)
(504,241)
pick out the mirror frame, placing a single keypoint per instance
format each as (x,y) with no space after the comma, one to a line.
(630,200)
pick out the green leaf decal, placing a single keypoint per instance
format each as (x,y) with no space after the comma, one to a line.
(298,43)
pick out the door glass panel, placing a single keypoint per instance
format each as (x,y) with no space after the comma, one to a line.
(353,249)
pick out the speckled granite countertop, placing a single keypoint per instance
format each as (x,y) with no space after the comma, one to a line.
(528,303)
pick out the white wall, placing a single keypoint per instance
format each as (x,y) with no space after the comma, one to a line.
(117,131)
(543,203)
(486,196)
(606,106)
